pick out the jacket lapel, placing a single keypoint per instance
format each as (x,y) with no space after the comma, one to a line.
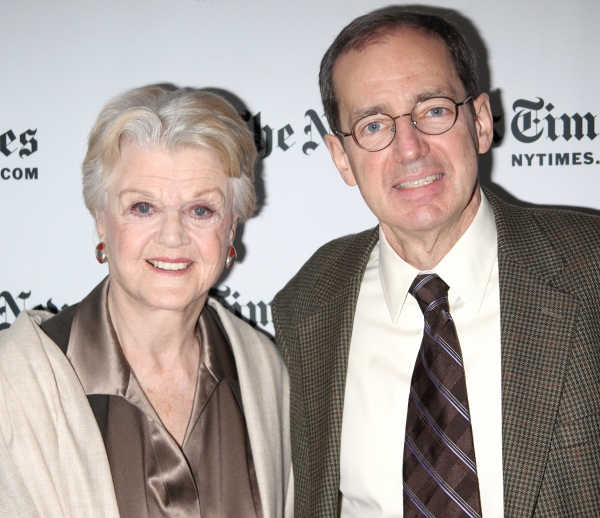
(537,327)
(323,340)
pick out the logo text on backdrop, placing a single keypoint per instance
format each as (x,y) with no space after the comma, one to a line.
(265,137)
(22,146)
(536,119)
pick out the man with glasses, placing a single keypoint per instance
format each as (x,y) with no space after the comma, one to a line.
(446,363)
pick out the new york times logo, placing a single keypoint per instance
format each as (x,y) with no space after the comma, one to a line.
(10,304)
(268,139)
(257,314)
(536,119)
(22,146)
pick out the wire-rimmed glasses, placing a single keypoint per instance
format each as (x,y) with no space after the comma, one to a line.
(432,117)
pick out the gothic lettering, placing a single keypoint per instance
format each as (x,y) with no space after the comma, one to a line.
(518,131)
(30,145)
(6,139)
(314,120)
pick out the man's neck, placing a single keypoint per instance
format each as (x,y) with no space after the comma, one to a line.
(425,249)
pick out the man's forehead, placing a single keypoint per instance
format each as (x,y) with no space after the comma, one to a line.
(418,62)
(408,38)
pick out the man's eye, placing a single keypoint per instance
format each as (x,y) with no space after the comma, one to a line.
(437,112)
(373,127)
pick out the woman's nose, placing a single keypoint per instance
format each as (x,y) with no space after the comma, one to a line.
(173,232)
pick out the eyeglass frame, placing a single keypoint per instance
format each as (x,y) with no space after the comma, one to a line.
(412,122)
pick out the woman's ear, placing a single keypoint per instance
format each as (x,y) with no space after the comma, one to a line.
(100,224)
(232,230)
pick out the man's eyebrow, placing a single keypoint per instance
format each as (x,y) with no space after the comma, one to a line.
(430,94)
(372,110)
(380,108)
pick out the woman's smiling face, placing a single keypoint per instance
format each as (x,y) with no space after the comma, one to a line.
(167,225)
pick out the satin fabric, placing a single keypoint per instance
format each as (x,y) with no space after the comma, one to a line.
(212,474)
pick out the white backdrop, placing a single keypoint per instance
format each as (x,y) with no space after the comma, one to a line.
(61,61)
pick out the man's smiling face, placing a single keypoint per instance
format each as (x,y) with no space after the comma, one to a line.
(420,183)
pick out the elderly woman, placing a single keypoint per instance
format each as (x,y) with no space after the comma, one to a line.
(161,402)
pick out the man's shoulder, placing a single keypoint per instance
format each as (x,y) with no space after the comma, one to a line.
(559,218)
(338,253)
(551,220)
(330,268)
(573,235)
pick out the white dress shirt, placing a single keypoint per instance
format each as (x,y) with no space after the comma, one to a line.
(386,337)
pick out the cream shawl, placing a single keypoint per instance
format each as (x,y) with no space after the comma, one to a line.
(52,459)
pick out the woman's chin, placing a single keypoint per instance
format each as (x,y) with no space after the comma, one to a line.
(167,298)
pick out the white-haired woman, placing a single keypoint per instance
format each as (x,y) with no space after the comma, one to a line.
(148,398)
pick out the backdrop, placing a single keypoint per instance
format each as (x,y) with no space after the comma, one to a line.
(61,61)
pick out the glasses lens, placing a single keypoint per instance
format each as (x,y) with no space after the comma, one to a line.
(374,132)
(434,116)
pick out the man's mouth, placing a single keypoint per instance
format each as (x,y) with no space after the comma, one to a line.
(413,184)
(168,266)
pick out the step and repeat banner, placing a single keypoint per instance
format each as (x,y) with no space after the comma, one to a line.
(63,60)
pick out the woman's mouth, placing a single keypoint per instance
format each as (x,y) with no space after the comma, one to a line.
(168,266)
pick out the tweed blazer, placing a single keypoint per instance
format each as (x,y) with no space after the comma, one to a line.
(549,269)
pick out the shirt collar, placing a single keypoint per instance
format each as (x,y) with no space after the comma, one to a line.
(97,357)
(466,268)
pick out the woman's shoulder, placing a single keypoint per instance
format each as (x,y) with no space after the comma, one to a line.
(232,322)
(58,327)
(24,331)
(244,338)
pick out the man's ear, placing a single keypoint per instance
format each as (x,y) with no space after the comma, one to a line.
(340,159)
(484,123)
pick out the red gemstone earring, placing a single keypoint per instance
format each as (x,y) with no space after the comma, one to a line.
(231,257)
(101,256)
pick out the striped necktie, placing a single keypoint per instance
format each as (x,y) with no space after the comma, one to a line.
(439,470)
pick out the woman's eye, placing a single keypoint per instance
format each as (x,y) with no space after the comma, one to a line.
(202,212)
(142,208)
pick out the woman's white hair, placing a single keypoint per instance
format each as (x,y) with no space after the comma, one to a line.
(170,119)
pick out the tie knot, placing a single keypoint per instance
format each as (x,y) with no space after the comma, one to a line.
(430,292)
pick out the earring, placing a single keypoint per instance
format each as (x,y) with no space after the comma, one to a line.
(231,257)
(101,256)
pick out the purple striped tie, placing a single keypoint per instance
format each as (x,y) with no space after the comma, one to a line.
(439,470)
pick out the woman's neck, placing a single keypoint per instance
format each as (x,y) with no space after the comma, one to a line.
(163,350)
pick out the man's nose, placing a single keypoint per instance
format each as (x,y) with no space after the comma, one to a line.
(172,232)
(409,143)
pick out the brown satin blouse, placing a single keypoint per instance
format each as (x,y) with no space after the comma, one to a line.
(212,474)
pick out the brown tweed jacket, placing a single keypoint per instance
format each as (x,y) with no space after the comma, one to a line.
(549,264)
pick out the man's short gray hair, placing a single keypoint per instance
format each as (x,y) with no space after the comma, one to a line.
(170,119)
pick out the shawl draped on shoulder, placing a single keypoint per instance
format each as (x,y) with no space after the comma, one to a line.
(53,463)
(52,458)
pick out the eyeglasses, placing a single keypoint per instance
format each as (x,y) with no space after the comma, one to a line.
(431,117)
